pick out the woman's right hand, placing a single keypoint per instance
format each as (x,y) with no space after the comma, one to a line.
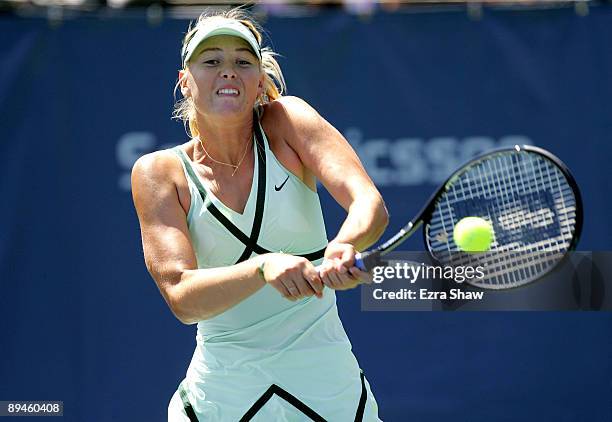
(294,277)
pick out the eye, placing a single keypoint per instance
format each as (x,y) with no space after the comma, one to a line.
(243,62)
(211,62)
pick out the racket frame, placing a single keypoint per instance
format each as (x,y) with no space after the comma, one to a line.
(372,258)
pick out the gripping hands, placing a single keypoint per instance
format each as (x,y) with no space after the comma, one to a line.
(296,278)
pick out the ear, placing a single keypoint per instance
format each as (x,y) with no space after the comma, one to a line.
(260,86)
(182,75)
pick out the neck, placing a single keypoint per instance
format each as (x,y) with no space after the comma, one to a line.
(225,140)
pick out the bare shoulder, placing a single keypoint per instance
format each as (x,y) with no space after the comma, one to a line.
(291,113)
(298,124)
(158,177)
(292,102)
(155,167)
(155,161)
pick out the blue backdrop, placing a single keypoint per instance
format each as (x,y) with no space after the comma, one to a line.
(415,93)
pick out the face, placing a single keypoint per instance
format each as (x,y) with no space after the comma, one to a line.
(223,77)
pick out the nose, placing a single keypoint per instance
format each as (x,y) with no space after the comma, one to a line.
(228,73)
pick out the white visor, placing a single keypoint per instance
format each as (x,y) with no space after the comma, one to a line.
(220,27)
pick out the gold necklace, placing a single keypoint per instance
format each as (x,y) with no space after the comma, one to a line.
(235,166)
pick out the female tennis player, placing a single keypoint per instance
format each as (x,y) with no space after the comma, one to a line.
(232,230)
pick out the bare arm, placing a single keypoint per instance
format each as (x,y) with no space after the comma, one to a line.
(191,294)
(329,157)
(198,294)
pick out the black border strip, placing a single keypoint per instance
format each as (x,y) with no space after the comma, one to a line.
(301,406)
(250,242)
(261,191)
(285,395)
(186,405)
(288,397)
(362,400)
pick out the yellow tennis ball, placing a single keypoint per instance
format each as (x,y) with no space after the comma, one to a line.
(473,234)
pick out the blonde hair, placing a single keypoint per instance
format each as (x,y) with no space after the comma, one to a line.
(274,82)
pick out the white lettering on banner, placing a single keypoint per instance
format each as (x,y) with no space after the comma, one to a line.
(417,161)
(400,162)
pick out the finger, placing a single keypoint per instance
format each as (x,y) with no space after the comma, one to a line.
(343,278)
(348,257)
(340,266)
(299,287)
(360,275)
(293,291)
(304,287)
(282,289)
(314,280)
(335,279)
(325,278)
(325,269)
(346,280)
(317,285)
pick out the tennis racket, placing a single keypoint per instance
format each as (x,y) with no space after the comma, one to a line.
(528,196)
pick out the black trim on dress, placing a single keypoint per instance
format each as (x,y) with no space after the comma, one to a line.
(250,242)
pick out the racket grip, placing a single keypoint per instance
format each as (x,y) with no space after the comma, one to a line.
(359,262)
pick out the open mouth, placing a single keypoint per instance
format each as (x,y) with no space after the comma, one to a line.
(232,92)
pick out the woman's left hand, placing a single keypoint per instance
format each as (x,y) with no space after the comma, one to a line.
(338,270)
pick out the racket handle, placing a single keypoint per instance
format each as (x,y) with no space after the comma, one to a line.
(358,263)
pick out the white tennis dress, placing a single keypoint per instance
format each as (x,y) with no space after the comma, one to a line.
(268,358)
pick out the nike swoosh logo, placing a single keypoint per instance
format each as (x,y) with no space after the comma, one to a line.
(277,188)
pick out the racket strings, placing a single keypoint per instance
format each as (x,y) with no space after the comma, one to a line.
(530,205)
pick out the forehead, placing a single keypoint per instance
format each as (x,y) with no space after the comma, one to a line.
(223,42)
